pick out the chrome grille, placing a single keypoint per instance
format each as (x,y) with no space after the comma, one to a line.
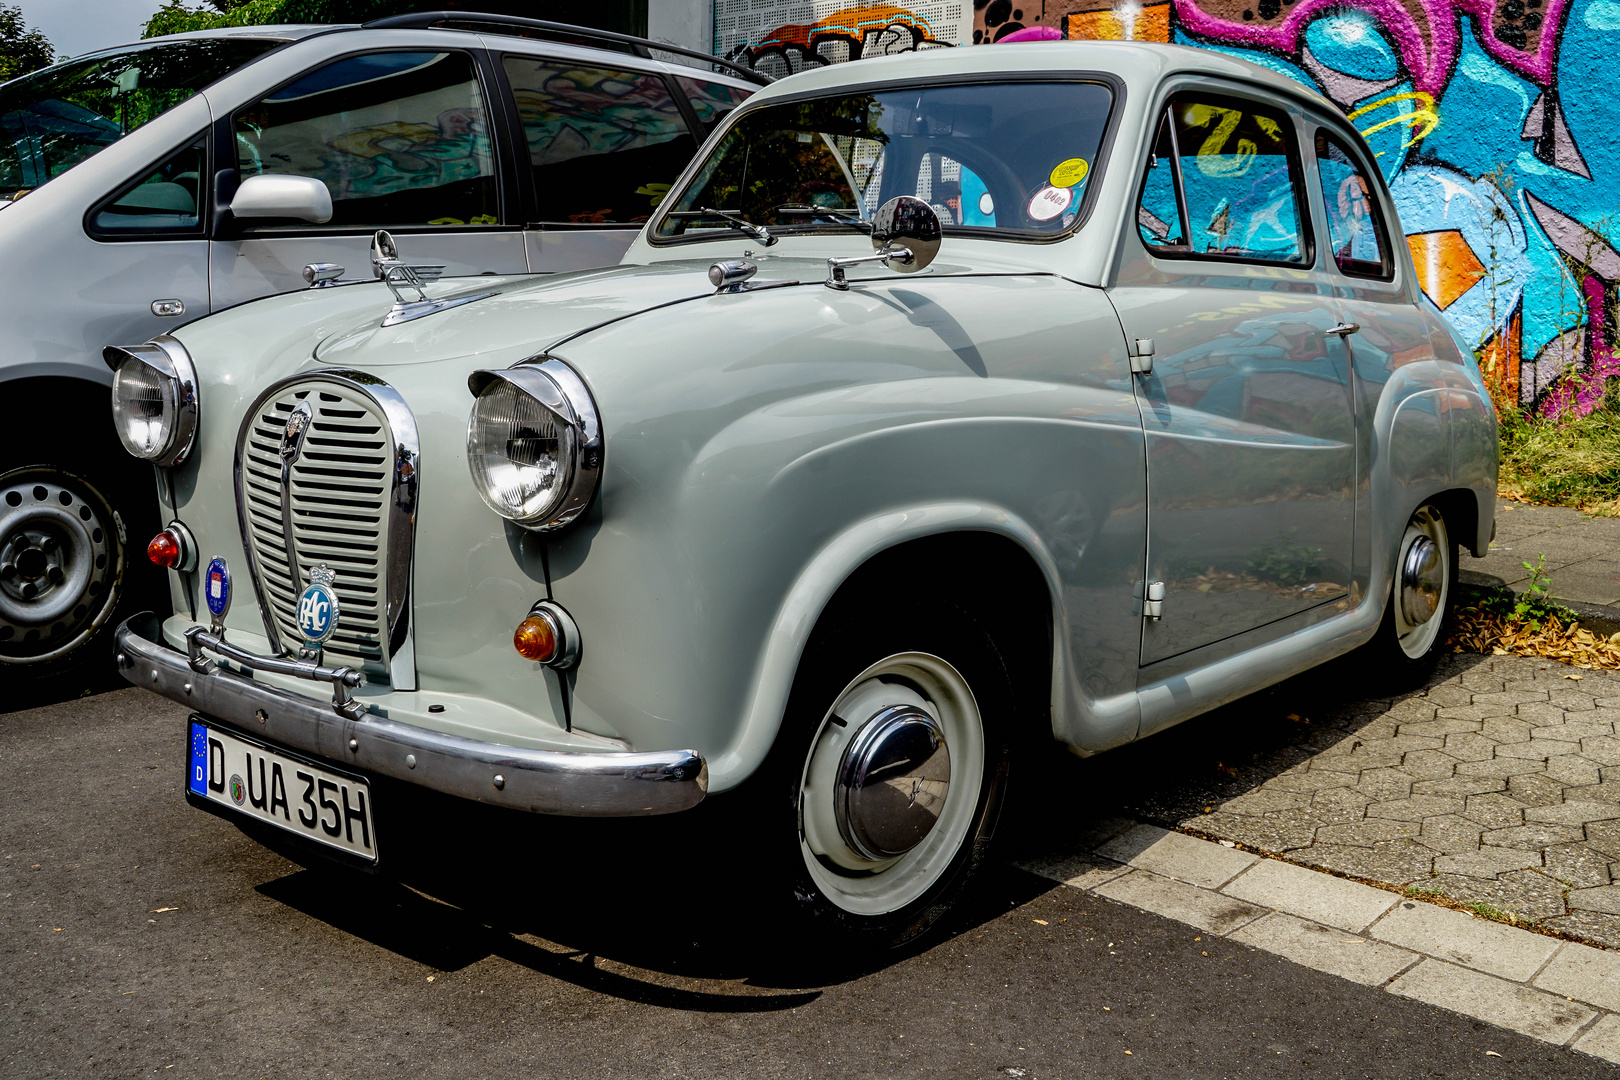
(335,501)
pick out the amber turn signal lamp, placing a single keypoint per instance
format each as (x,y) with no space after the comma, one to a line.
(536,639)
(166,549)
(548,636)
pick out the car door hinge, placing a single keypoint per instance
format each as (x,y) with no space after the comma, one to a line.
(1141,356)
(1150,595)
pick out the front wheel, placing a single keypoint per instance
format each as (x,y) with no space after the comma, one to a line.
(892,763)
(1412,634)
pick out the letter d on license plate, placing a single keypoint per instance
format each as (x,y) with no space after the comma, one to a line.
(289,792)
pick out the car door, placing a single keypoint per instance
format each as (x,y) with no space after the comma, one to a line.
(604,144)
(403,139)
(1248,407)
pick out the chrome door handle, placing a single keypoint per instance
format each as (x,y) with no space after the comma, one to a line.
(1344,329)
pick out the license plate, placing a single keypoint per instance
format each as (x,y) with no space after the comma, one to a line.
(316,803)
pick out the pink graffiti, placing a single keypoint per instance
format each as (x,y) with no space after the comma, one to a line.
(1427,33)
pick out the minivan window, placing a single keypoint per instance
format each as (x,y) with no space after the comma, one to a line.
(605,145)
(166,200)
(399,138)
(54,118)
(711,101)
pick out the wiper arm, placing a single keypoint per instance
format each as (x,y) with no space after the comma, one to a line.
(838,215)
(736,221)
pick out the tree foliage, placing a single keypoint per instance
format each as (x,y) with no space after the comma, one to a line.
(177,18)
(21,50)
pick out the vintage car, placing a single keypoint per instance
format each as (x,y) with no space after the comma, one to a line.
(188,174)
(953,405)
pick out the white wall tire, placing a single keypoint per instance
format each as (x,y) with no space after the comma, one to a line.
(1419,607)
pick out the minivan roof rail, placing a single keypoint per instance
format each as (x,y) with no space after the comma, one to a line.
(639,45)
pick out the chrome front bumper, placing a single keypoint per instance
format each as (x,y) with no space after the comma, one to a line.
(539,781)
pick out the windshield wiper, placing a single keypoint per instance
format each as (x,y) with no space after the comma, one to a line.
(736,221)
(838,215)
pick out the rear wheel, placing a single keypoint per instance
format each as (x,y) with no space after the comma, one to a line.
(1413,632)
(890,770)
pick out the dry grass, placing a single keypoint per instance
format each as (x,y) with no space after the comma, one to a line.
(1574,462)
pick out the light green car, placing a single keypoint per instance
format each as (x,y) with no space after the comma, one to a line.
(948,406)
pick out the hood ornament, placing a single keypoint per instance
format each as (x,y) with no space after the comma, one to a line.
(292,436)
(400,276)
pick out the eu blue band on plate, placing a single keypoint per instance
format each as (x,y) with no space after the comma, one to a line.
(198,781)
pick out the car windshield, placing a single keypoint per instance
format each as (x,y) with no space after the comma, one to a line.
(58,116)
(1008,156)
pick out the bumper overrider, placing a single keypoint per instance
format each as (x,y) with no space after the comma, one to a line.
(540,781)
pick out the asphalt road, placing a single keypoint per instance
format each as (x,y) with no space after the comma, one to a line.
(141,937)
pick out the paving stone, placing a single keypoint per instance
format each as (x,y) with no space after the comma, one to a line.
(1572,700)
(1504,729)
(1263,833)
(1417,807)
(1310,894)
(1531,837)
(1603,749)
(1480,682)
(1411,709)
(1573,771)
(1573,813)
(1439,729)
(1075,871)
(1494,811)
(1576,865)
(1605,898)
(1312,780)
(1177,900)
(1506,951)
(1448,693)
(1519,1008)
(1450,834)
(1594,926)
(1382,785)
(1601,1040)
(1463,786)
(1540,713)
(1536,751)
(1470,746)
(1399,862)
(1535,789)
(1267,800)
(1487,863)
(1348,956)
(1188,858)
(1428,764)
(1366,833)
(1574,731)
(1503,767)
(1510,699)
(1608,791)
(1527,894)
(1605,837)
(1349,803)
(1476,713)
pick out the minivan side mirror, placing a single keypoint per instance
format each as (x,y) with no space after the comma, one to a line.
(269,195)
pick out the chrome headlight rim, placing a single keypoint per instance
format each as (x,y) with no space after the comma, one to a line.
(169,359)
(557,388)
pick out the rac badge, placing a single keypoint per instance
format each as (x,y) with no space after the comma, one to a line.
(318,608)
(217,591)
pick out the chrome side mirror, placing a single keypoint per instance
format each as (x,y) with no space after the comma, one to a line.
(906,236)
(269,195)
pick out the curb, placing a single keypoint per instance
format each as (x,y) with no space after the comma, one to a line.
(1559,992)
(1598,618)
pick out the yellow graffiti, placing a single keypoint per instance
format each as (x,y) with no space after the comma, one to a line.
(1424,116)
(1210,159)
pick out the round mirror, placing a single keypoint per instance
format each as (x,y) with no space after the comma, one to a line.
(907,222)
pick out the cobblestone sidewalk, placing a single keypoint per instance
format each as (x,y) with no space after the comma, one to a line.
(1582,554)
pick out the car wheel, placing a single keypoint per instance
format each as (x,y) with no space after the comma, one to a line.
(62,569)
(895,744)
(1413,632)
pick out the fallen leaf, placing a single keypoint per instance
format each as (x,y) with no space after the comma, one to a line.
(1042,922)
(1206,954)
(158,910)
(56,929)
(1492,1053)
(1577,678)
(430,978)
(1107,1009)
(1128,1052)
(1198,939)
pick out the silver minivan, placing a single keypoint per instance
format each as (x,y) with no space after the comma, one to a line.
(149,185)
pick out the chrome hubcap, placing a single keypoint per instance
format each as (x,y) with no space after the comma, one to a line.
(58,565)
(892,784)
(1421,581)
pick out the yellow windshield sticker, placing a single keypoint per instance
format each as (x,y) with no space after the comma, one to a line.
(1069,173)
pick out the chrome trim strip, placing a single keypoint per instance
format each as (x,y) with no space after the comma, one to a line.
(400,556)
(567,783)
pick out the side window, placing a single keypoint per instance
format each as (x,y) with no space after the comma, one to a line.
(166,200)
(399,138)
(605,145)
(1158,212)
(1355,230)
(1239,183)
(710,101)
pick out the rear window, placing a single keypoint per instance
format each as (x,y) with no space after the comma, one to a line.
(54,118)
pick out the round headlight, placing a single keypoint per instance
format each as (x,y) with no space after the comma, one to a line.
(534,443)
(154,399)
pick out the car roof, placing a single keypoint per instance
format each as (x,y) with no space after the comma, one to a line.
(1139,64)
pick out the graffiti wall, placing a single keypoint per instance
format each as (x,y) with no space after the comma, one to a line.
(1492,120)
(780,37)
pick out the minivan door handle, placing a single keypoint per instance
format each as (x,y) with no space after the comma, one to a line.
(1344,329)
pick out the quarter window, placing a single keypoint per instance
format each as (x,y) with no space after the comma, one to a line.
(605,145)
(1158,213)
(1237,179)
(166,200)
(710,101)
(1355,230)
(399,138)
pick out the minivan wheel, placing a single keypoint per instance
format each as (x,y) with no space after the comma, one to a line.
(893,764)
(62,555)
(1413,632)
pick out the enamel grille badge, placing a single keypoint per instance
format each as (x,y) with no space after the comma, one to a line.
(217,591)
(292,437)
(318,608)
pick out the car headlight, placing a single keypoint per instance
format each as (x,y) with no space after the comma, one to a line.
(534,443)
(154,399)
